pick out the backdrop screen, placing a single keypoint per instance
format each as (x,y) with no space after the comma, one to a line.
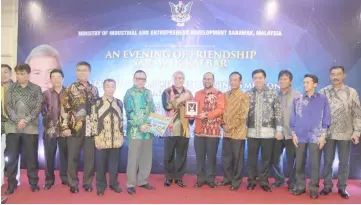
(163,36)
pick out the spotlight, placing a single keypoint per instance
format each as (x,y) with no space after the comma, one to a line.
(35,11)
(271,9)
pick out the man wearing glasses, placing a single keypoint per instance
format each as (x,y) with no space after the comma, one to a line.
(75,112)
(138,104)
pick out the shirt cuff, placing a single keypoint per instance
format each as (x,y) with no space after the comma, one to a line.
(279,128)
(293,134)
(356,133)
(27,118)
(323,131)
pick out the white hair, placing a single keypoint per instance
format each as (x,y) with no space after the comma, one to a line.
(44,50)
(178,72)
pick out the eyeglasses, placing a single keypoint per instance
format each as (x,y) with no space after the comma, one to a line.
(141,79)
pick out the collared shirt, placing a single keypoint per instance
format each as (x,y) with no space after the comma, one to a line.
(75,108)
(23,103)
(51,112)
(235,115)
(286,102)
(345,112)
(107,123)
(311,116)
(265,114)
(180,125)
(138,104)
(213,103)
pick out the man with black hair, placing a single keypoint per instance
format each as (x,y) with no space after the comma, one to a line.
(234,123)
(139,104)
(265,121)
(23,102)
(286,94)
(344,130)
(310,119)
(6,71)
(52,131)
(75,112)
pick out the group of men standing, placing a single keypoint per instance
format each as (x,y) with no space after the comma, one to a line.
(270,120)
(77,118)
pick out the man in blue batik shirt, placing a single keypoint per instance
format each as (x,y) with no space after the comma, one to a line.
(310,118)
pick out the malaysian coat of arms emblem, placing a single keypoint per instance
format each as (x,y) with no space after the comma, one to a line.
(181,12)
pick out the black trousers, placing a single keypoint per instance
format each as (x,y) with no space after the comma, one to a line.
(343,149)
(15,142)
(107,159)
(75,144)
(315,158)
(277,163)
(50,147)
(232,159)
(206,147)
(175,157)
(266,145)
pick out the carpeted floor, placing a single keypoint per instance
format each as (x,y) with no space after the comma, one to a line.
(60,194)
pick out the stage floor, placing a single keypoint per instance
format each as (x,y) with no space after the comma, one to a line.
(60,194)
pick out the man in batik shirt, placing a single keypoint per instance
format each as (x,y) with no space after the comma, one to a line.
(265,121)
(177,136)
(211,104)
(5,82)
(107,128)
(138,104)
(52,132)
(76,103)
(310,119)
(23,102)
(234,132)
(344,130)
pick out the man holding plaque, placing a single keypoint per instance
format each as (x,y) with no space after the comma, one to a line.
(177,137)
(234,132)
(138,104)
(211,103)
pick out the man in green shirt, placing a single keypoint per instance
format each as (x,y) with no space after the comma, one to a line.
(138,104)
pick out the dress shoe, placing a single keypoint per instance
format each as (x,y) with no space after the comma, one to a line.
(234,188)
(343,193)
(251,186)
(88,188)
(168,182)
(48,186)
(212,185)
(100,192)
(314,195)
(148,187)
(266,188)
(116,189)
(278,184)
(291,189)
(199,184)
(223,183)
(180,183)
(74,189)
(34,188)
(10,190)
(299,192)
(325,192)
(131,190)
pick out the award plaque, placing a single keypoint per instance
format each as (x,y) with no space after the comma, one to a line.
(191,109)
